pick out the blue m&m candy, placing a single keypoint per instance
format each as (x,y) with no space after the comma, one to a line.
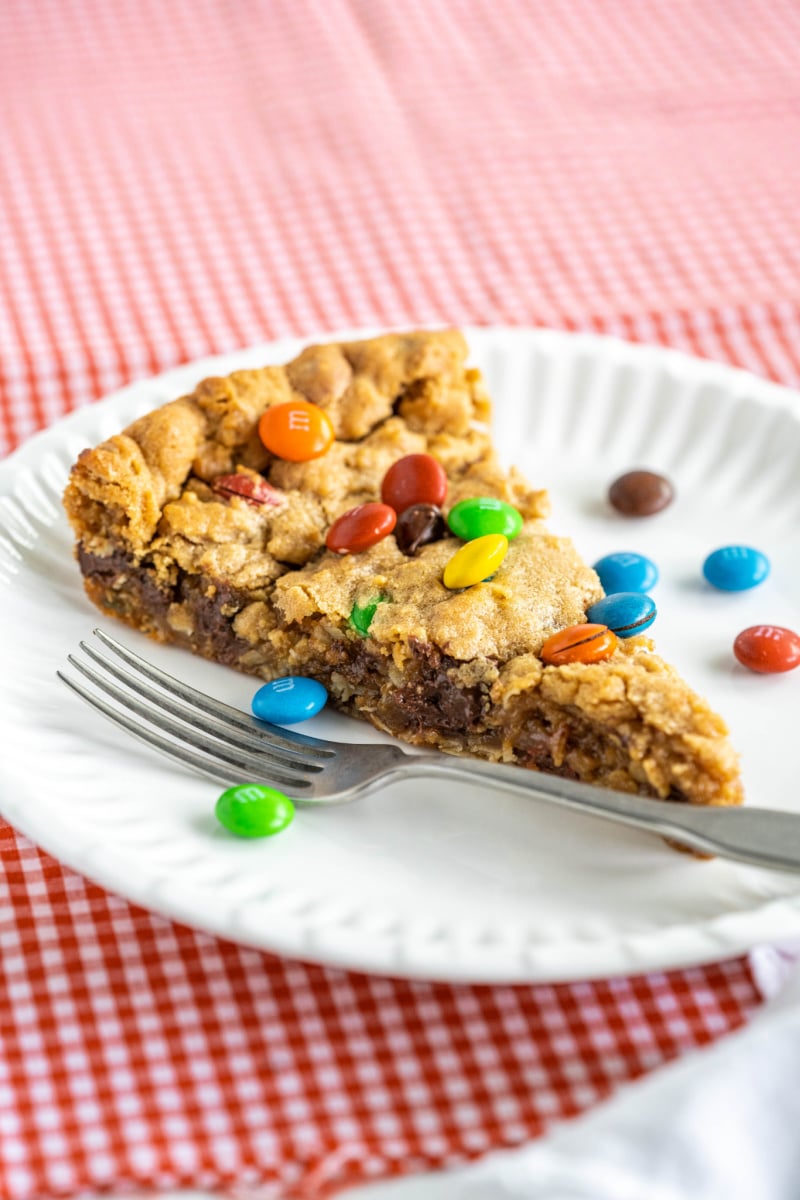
(289,700)
(736,568)
(625,613)
(626,572)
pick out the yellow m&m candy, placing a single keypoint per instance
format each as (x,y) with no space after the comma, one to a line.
(475,561)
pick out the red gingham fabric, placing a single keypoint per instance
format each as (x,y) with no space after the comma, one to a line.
(181,179)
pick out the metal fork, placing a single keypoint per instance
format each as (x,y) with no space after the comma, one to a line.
(230,746)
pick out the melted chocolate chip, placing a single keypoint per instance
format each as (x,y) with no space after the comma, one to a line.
(129,590)
(417,526)
(431,698)
(123,584)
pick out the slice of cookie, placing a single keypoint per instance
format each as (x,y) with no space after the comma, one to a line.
(191,530)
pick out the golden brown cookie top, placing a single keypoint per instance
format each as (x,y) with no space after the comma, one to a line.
(150,487)
(541,585)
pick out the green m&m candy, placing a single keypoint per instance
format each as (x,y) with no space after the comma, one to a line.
(251,810)
(482,515)
(361,614)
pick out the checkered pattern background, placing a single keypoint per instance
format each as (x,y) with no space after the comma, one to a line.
(181,179)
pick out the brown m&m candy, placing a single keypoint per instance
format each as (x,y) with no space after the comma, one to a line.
(640,493)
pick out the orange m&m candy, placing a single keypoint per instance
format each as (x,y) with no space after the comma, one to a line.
(296,430)
(579,643)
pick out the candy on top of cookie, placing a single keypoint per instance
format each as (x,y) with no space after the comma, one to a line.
(168,543)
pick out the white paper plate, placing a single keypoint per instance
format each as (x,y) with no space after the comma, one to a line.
(423,880)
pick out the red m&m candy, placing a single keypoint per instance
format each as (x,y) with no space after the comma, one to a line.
(414,479)
(296,430)
(768,649)
(360,527)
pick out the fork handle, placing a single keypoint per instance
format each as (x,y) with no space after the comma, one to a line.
(758,836)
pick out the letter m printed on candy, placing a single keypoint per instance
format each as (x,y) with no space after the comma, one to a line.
(299,420)
(296,430)
(250,792)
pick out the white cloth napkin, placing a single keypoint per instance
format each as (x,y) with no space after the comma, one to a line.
(720,1124)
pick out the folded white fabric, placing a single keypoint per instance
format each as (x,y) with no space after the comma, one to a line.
(720,1124)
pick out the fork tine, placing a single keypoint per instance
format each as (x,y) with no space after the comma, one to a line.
(172,750)
(242,761)
(261,743)
(290,741)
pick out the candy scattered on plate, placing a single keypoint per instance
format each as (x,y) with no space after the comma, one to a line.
(625,571)
(768,649)
(251,810)
(640,493)
(736,568)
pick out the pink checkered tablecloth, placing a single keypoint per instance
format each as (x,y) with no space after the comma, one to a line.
(186,178)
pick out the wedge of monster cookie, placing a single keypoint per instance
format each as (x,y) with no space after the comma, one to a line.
(216,523)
